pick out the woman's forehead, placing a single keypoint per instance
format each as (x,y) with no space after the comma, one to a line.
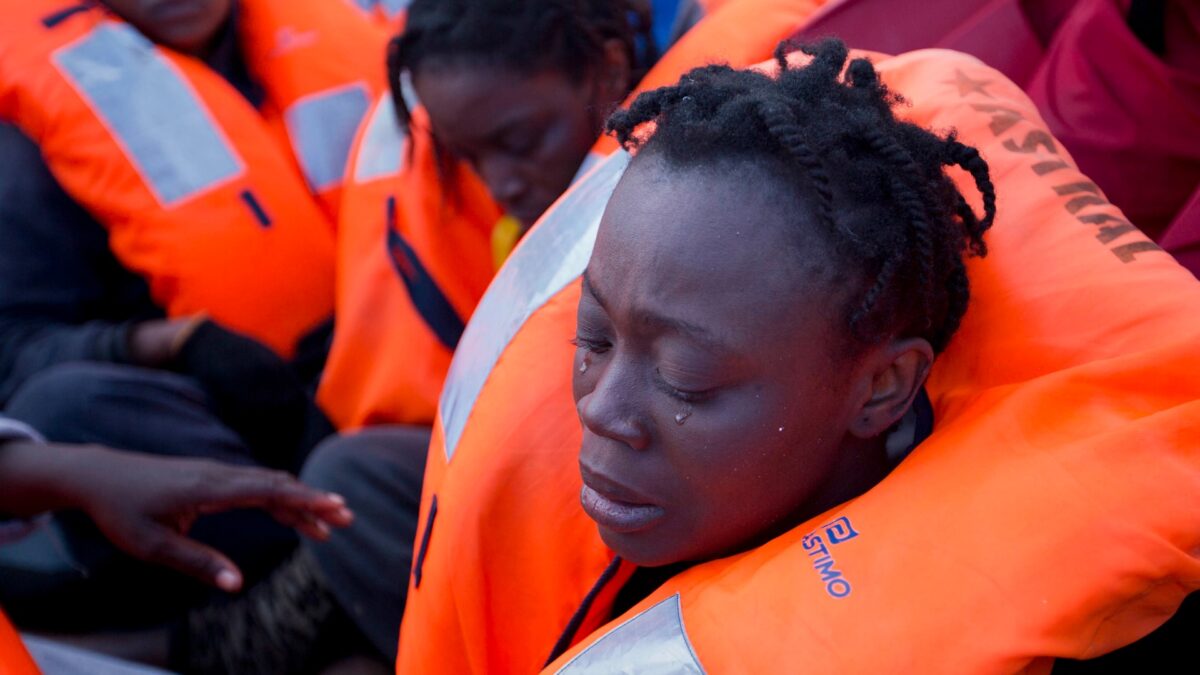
(701,246)
(715,219)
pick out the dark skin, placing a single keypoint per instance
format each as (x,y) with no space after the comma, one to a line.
(187,26)
(145,505)
(524,134)
(780,421)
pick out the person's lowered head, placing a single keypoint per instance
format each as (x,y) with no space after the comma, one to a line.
(187,26)
(772,279)
(519,88)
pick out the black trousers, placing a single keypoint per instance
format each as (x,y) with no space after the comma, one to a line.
(379,471)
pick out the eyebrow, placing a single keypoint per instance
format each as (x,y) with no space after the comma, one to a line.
(645,317)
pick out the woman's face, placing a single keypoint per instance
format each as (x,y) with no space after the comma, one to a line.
(711,381)
(525,135)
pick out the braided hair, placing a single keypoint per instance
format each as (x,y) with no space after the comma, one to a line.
(568,36)
(880,198)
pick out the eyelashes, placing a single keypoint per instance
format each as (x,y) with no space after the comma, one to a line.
(596,346)
(684,395)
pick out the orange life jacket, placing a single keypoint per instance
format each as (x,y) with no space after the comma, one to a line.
(14,658)
(414,257)
(415,254)
(1051,513)
(202,195)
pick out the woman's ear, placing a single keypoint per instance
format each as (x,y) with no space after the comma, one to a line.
(895,373)
(613,76)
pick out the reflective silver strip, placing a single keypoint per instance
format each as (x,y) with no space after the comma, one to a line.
(11,429)
(585,167)
(390,7)
(382,150)
(160,122)
(651,643)
(551,256)
(393,7)
(322,128)
(408,92)
(55,658)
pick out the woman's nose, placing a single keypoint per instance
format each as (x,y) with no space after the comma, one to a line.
(503,178)
(611,408)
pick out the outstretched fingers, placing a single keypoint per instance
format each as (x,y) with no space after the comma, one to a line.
(313,512)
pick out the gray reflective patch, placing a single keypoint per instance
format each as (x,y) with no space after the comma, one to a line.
(394,7)
(651,643)
(382,150)
(407,92)
(156,117)
(390,7)
(551,256)
(585,167)
(54,658)
(322,128)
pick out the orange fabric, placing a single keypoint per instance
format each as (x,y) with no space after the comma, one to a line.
(14,658)
(1051,513)
(484,634)
(252,248)
(386,365)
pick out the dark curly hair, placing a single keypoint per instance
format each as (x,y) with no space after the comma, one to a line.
(880,197)
(568,36)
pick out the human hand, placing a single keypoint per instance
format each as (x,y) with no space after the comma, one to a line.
(147,504)
(253,391)
(155,343)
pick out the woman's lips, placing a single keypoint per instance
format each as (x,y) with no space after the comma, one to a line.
(618,516)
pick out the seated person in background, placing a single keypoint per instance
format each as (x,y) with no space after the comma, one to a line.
(146,505)
(165,197)
(512,95)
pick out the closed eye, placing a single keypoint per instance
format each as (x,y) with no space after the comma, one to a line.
(683,394)
(596,346)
